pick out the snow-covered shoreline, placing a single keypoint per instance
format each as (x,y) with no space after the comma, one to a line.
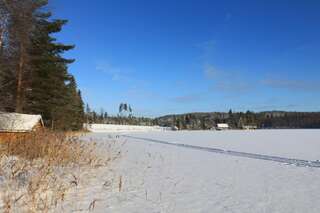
(122,128)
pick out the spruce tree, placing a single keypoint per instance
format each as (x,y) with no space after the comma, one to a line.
(34,76)
(53,91)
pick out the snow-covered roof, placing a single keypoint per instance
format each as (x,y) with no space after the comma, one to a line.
(222,125)
(15,122)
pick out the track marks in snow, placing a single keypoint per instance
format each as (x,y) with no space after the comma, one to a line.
(289,161)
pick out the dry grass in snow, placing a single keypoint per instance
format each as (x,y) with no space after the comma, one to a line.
(37,170)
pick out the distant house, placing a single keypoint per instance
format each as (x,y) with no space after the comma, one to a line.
(12,124)
(249,127)
(222,126)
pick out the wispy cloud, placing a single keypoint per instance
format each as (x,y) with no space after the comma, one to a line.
(206,44)
(228,82)
(235,87)
(207,49)
(116,73)
(210,72)
(141,93)
(186,99)
(295,85)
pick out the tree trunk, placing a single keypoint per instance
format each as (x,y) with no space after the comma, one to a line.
(19,95)
(1,40)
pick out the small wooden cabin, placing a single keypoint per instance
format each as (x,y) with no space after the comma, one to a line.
(222,126)
(249,127)
(15,124)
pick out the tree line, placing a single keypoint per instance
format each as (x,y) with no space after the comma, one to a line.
(238,120)
(34,75)
(206,121)
(124,117)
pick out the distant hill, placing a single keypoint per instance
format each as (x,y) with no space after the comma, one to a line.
(236,120)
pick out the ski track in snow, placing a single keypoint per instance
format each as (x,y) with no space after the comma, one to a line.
(289,161)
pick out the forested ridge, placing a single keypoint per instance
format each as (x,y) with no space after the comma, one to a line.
(34,75)
(208,120)
(237,120)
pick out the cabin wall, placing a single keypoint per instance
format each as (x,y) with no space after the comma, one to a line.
(9,136)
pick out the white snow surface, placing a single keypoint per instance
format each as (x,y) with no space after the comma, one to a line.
(122,128)
(16,122)
(304,144)
(163,178)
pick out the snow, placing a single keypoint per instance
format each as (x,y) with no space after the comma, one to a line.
(16,122)
(303,144)
(223,126)
(122,128)
(164,178)
(152,177)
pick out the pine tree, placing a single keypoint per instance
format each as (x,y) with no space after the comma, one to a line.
(53,91)
(34,77)
(74,108)
(16,24)
(49,90)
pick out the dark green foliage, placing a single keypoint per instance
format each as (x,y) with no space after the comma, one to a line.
(125,110)
(54,92)
(104,118)
(48,89)
(205,121)
(273,119)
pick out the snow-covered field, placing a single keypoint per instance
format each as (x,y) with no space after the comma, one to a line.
(154,177)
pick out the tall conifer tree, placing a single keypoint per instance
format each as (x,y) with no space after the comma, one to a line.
(34,76)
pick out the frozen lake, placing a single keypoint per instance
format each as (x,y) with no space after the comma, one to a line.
(159,177)
(303,144)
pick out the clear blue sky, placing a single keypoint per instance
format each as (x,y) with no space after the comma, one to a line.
(175,56)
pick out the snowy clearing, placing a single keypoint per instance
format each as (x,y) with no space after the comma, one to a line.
(153,177)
